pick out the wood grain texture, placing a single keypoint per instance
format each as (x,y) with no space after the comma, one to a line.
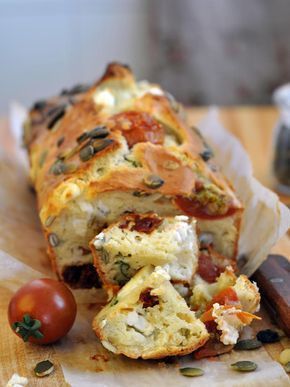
(273,279)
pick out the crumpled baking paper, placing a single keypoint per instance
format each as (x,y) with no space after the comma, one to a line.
(84,361)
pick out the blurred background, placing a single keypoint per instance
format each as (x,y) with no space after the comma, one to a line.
(203,51)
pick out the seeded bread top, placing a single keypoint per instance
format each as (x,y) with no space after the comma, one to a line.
(122,135)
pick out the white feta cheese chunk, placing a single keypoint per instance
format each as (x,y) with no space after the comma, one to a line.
(17,381)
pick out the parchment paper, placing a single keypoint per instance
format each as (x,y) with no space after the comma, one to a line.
(84,361)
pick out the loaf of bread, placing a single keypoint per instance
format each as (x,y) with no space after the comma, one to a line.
(121,146)
(138,240)
(149,319)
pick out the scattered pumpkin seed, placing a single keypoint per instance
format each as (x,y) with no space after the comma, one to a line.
(101,144)
(268,336)
(191,372)
(48,222)
(244,366)
(57,114)
(58,167)
(43,368)
(42,158)
(53,240)
(153,181)
(84,136)
(87,153)
(287,367)
(98,132)
(284,357)
(60,141)
(247,344)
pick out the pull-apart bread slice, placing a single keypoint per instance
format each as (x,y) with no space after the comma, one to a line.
(118,146)
(137,240)
(149,319)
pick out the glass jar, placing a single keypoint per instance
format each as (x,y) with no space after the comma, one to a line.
(281,167)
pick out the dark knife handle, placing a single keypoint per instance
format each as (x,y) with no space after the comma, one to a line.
(273,280)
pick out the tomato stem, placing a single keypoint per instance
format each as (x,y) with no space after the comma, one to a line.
(28,327)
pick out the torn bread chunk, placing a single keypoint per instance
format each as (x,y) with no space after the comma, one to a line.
(230,321)
(228,289)
(149,319)
(137,240)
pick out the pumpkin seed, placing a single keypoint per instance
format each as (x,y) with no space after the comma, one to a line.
(114,301)
(56,114)
(244,366)
(247,344)
(98,132)
(60,141)
(48,222)
(284,357)
(44,368)
(66,154)
(77,89)
(39,105)
(206,154)
(42,158)
(53,240)
(139,194)
(268,336)
(87,153)
(58,167)
(153,181)
(287,367)
(191,372)
(102,144)
(84,136)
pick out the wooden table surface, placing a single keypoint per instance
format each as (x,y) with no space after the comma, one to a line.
(254,128)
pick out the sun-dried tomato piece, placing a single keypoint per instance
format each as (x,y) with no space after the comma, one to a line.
(148,299)
(138,127)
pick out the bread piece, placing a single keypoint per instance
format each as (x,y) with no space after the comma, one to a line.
(247,292)
(230,321)
(149,319)
(120,146)
(137,240)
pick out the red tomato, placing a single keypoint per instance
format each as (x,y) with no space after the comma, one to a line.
(42,311)
(139,127)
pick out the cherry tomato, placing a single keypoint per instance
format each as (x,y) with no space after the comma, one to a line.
(139,127)
(42,311)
